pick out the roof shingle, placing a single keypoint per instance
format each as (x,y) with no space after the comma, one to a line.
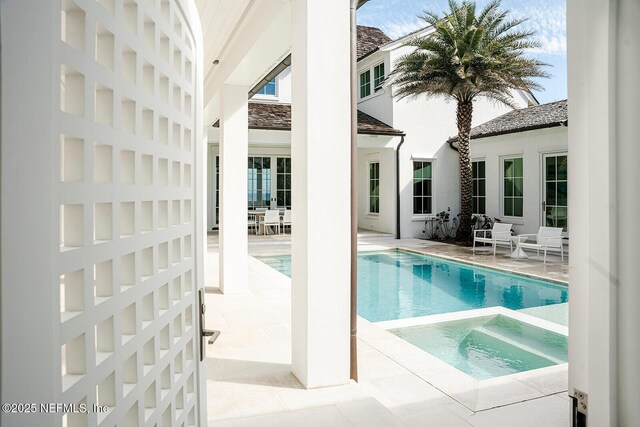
(278,117)
(369,39)
(536,117)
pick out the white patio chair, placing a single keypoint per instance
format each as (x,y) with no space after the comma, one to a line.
(500,235)
(252,223)
(271,219)
(548,238)
(286,220)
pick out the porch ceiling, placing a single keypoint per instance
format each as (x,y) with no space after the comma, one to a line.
(247,38)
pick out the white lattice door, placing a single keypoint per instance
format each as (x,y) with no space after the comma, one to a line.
(101,226)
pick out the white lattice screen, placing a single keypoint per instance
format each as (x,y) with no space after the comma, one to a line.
(126,224)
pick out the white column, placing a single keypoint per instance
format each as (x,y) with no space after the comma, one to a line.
(234,140)
(603,56)
(320,164)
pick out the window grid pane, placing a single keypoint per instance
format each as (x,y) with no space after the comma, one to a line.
(478,189)
(365,84)
(378,75)
(513,196)
(374,187)
(422,196)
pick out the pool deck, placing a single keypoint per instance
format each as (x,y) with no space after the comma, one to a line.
(249,380)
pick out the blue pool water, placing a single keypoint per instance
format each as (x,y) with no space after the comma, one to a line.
(487,347)
(397,284)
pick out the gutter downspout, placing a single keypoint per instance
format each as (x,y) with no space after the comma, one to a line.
(353,365)
(398,187)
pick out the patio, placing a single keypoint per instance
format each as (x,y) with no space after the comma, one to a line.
(249,380)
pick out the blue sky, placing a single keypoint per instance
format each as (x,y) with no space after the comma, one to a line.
(546,17)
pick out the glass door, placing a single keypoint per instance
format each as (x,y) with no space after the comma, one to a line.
(554,200)
(259,182)
(283,183)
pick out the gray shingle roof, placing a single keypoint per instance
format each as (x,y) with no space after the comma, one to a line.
(536,117)
(278,117)
(369,39)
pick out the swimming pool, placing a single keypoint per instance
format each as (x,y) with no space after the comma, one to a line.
(396,284)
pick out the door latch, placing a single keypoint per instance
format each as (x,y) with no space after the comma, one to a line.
(204,333)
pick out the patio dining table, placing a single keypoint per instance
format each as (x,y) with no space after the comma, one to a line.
(259,214)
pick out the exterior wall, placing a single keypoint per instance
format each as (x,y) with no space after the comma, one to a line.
(100,210)
(385,220)
(532,146)
(428,124)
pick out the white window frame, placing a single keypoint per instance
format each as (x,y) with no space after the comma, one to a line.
(360,85)
(424,216)
(373,74)
(513,219)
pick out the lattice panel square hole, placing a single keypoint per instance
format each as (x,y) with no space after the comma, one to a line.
(128,322)
(177,289)
(177,98)
(130,374)
(103,222)
(163,214)
(164,48)
(187,175)
(165,341)
(106,392)
(163,130)
(103,281)
(187,211)
(74,364)
(149,355)
(71,294)
(165,382)
(72,23)
(103,106)
(164,88)
(188,283)
(177,255)
(163,172)
(147,262)
(148,310)
(130,9)
(175,214)
(187,246)
(71,159)
(150,33)
(104,339)
(129,64)
(71,226)
(72,91)
(127,166)
(147,169)
(127,219)
(175,174)
(187,140)
(104,47)
(177,134)
(177,328)
(147,216)
(102,164)
(127,270)
(147,123)
(163,299)
(163,256)
(150,400)
(76,419)
(131,418)
(128,115)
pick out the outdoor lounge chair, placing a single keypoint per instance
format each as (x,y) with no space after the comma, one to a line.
(271,219)
(286,220)
(500,235)
(548,238)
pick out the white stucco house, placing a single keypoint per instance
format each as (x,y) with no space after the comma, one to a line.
(520,163)
(407,171)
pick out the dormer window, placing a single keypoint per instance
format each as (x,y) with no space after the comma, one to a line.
(378,76)
(269,89)
(365,84)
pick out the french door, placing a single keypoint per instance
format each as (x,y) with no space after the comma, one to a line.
(268,183)
(554,200)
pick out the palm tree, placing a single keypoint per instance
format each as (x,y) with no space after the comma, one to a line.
(468,56)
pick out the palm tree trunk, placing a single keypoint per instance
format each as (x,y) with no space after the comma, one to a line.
(464,115)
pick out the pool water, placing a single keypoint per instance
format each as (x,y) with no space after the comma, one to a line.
(490,346)
(397,284)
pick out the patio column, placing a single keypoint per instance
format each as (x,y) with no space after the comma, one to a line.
(320,152)
(234,140)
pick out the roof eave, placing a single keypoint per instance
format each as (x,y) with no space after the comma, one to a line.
(511,131)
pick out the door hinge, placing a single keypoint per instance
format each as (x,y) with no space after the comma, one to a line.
(580,403)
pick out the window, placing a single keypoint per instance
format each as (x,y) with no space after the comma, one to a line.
(283,184)
(422,196)
(513,187)
(374,187)
(478,188)
(378,76)
(259,182)
(365,84)
(268,89)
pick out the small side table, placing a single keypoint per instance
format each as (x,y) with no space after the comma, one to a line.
(519,250)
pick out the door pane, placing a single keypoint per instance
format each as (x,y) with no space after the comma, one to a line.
(551,168)
(562,193)
(551,194)
(517,207)
(562,168)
